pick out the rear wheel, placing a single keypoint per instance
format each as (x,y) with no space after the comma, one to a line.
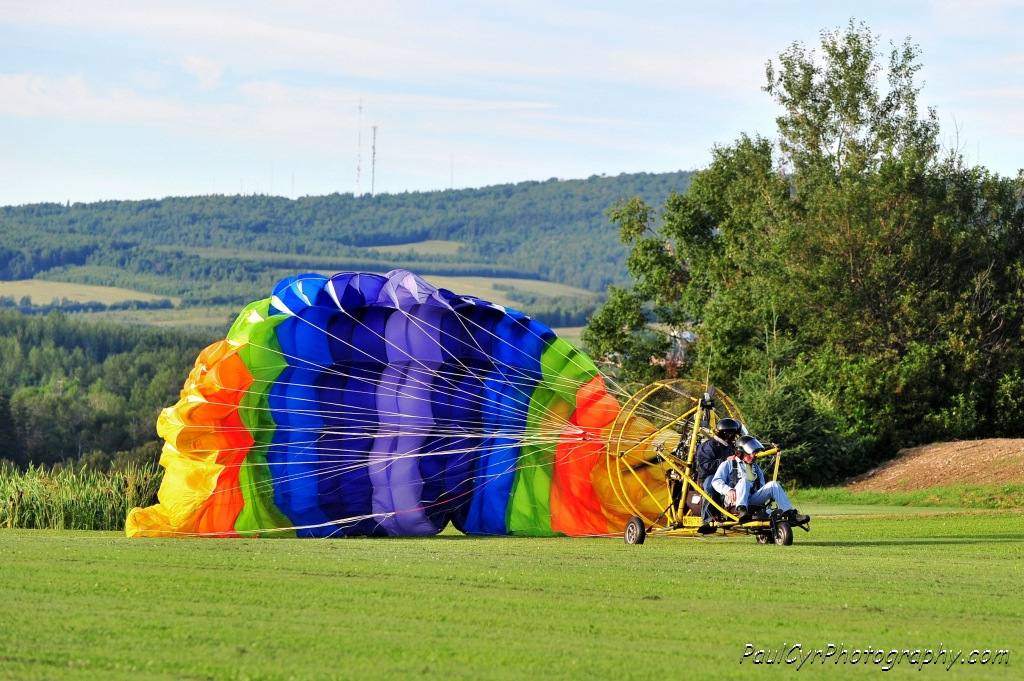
(636,532)
(764,538)
(783,534)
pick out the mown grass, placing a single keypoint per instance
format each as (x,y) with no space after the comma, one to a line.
(1009,496)
(62,499)
(99,606)
(42,292)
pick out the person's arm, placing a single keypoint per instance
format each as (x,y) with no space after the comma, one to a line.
(702,461)
(721,480)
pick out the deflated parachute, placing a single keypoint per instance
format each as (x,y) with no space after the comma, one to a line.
(378,405)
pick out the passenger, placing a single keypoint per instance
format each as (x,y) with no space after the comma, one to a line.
(741,483)
(710,455)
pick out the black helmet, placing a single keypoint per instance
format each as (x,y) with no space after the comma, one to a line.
(749,445)
(727,427)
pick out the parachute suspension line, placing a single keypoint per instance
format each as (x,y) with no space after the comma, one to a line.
(554,416)
(405,396)
(438,435)
(379,382)
(325,368)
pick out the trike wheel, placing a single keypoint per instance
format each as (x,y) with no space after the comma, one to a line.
(636,532)
(764,538)
(783,534)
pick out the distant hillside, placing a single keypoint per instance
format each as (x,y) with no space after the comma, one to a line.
(229,249)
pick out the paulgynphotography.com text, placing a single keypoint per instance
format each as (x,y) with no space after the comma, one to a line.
(885,658)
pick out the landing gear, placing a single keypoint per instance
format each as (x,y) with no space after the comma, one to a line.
(636,532)
(782,533)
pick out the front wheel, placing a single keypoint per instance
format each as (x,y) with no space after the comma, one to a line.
(636,531)
(783,534)
(764,538)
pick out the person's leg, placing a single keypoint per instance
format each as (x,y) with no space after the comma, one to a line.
(706,510)
(742,492)
(773,491)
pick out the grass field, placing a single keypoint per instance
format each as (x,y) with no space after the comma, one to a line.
(1006,496)
(98,606)
(484,287)
(429,247)
(218,317)
(571,334)
(42,292)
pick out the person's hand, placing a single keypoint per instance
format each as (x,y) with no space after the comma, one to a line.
(730,496)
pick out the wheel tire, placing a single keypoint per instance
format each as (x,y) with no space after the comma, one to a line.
(764,538)
(783,534)
(635,531)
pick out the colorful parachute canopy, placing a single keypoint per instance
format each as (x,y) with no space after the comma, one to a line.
(378,405)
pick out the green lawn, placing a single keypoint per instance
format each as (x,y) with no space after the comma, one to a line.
(1009,496)
(98,606)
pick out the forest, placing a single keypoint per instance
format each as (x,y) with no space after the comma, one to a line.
(74,392)
(228,249)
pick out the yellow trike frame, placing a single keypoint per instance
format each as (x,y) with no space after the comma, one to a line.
(694,425)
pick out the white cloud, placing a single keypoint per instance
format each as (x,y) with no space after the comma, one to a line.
(518,89)
(208,72)
(27,95)
(262,111)
(416,43)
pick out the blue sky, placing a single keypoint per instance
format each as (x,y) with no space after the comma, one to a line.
(129,100)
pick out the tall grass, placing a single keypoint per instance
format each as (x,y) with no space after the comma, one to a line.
(61,499)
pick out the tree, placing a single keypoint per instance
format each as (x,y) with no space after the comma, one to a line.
(12,446)
(887,265)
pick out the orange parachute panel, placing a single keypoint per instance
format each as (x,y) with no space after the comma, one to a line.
(638,488)
(575,505)
(206,444)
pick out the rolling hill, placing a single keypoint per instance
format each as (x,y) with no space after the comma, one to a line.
(226,249)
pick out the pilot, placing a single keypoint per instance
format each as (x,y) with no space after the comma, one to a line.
(710,455)
(741,483)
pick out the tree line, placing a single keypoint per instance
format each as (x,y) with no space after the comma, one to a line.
(858,285)
(553,230)
(72,390)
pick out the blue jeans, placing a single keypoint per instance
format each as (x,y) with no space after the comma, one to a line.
(705,513)
(771,491)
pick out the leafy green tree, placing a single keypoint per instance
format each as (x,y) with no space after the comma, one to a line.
(12,446)
(887,266)
(83,392)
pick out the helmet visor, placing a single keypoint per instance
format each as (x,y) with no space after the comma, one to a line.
(750,445)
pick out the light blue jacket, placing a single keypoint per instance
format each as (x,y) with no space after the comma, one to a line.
(722,482)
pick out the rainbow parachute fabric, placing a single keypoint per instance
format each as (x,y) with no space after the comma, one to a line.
(363,404)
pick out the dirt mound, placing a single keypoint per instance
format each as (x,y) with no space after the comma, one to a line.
(944,464)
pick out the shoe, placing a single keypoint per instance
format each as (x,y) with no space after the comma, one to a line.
(798,518)
(744,516)
(707,528)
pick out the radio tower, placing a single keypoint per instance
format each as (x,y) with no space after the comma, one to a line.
(359,148)
(373,162)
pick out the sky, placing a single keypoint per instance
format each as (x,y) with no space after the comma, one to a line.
(133,100)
